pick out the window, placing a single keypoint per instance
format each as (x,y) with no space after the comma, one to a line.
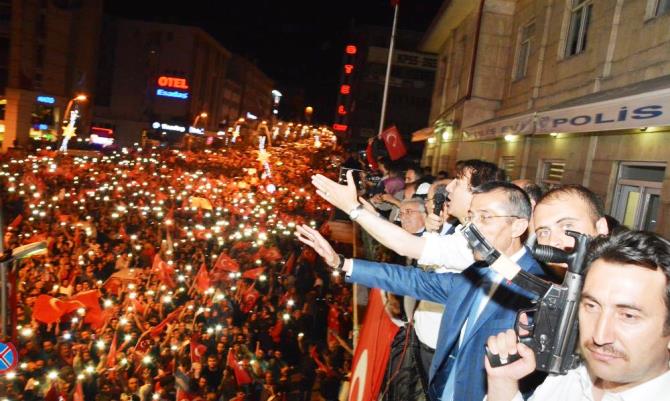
(580,15)
(523,50)
(508,163)
(551,173)
(637,196)
(656,8)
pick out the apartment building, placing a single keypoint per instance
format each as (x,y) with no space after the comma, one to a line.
(561,92)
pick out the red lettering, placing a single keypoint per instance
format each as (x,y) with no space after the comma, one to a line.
(340,127)
(350,49)
(341,110)
(348,68)
(172,82)
(345,89)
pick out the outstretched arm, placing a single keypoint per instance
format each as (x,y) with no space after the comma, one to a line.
(345,198)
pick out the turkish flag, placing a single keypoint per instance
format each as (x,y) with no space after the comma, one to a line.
(241,375)
(164,271)
(253,274)
(372,351)
(275,331)
(158,329)
(48,309)
(249,298)
(111,356)
(202,281)
(394,143)
(197,350)
(225,262)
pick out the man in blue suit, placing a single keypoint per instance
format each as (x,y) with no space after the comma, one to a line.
(479,303)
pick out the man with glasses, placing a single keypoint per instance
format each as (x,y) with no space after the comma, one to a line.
(479,303)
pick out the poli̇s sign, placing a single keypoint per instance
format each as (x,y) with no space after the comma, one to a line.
(642,110)
(173,87)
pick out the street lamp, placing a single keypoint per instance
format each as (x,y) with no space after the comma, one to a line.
(78,98)
(68,130)
(308,114)
(198,117)
(195,121)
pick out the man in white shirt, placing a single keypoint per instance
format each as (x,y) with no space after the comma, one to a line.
(624,329)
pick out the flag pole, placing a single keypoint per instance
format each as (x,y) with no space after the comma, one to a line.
(388,68)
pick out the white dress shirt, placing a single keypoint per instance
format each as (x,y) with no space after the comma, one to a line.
(576,385)
(450,251)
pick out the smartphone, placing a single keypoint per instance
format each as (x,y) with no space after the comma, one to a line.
(439,198)
(357,176)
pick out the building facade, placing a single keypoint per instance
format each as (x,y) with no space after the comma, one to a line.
(255,89)
(560,92)
(52,56)
(158,79)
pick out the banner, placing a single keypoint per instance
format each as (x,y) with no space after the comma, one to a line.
(372,351)
(649,109)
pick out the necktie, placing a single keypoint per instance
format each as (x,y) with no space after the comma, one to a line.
(481,291)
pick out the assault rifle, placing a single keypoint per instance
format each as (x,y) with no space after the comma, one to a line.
(552,329)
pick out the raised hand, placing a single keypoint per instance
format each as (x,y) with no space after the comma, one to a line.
(343,197)
(315,240)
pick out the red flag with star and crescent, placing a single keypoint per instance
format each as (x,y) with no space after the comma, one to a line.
(394,143)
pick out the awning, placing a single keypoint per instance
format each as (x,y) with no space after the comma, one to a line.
(422,134)
(635,106)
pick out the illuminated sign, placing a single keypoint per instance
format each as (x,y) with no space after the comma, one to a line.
(346,89)
(168,127)
(46,99)
(172,82)
(172,94)
(194,130)
(41,126)
(251,116)
(102,136)
(168,87)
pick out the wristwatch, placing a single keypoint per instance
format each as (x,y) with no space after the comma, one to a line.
(340,264)
(355,212)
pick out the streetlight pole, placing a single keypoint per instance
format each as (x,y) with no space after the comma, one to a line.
(197,118)
(66,117)
(195,121)
(388,68)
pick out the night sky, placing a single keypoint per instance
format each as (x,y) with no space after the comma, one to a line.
(298,44)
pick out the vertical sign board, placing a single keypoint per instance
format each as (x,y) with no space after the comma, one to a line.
(343,106)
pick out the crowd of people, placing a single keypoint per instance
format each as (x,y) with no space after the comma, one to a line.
(173,275)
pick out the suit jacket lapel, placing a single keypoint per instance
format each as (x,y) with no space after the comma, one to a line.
(501,298)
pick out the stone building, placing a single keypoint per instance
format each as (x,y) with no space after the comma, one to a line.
(558,91)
